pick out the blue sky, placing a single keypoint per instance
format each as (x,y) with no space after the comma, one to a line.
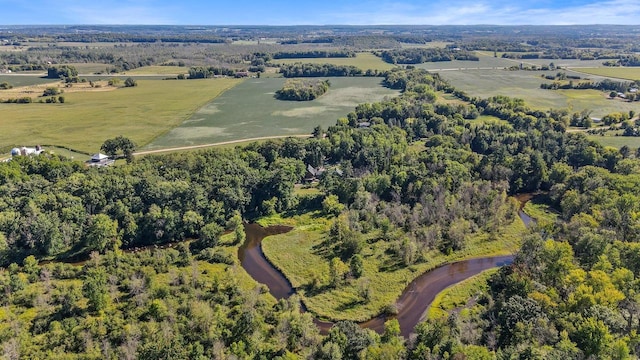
(286,12)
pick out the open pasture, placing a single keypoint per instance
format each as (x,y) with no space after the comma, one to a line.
(250,110)
(86,119)
(627,73)
(526,85)
(24,80)
(364,61)
(616,141)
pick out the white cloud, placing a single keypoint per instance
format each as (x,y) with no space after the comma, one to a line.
(469,12)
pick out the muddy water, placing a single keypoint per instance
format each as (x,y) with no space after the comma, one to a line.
(255,263)
(411,305)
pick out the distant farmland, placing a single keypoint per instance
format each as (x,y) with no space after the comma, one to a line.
(24,80)
(249,110)
(629,73)
(363,61)
(526,85)
(86,119)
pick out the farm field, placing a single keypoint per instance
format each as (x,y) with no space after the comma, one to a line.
(363,61)
(250,110)
(86,119)
(24,80)
(526,85)
(628,73)
(616,141)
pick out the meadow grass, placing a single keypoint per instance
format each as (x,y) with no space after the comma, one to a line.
(628,73)
(540,212)
(300,256)
(616,141)
(526,85)
(86,119)
(24,80)
(158,70)
(458,295)
(364,61)
(250,110)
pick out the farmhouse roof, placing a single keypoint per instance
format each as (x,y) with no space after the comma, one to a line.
(312,170)
(99,157)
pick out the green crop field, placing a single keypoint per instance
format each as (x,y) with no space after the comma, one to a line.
(629,73)
(616,141)
(526,85)
(363,61)
(24,80)
(250,110)
(86,119)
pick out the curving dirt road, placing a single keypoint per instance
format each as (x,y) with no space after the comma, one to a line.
(202,146)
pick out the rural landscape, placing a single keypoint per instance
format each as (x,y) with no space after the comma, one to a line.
(319,192)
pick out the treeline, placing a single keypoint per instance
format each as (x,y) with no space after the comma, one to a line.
(623,87)
(563,53)
(120,37)
(319,70)
(62,72)
(419,56)
(624,60)
(314,54)
(302,90)
(201,72)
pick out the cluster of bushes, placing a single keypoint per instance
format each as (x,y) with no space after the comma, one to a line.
(62,72)
(201,72)
(302,90)
(22,100)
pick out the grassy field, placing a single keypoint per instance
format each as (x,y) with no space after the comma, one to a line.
(141,113)
(363,61)
(298,255)
(616,141)
(526,85)
(629,73)
(250,110)
(459,295)
(24,80)
(158,70)
(540,212)
(89,68)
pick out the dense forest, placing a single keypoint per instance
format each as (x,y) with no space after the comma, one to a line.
(571,292)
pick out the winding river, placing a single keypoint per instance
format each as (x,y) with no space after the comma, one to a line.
(411,305)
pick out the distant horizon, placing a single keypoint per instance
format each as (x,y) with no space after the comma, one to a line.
(317,25)
(326,13)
